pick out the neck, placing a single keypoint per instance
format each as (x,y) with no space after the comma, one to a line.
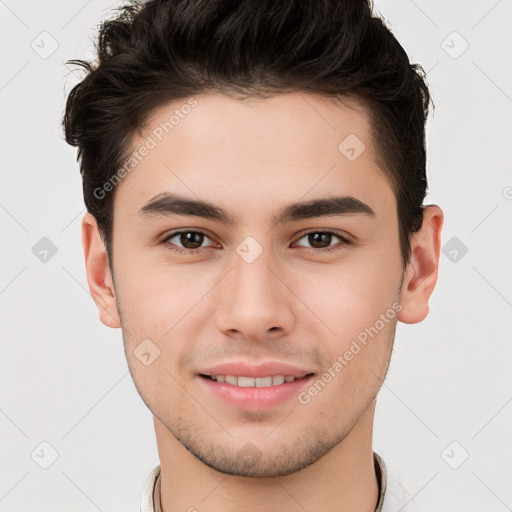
(343,480)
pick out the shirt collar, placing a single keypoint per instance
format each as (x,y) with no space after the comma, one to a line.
(151,493)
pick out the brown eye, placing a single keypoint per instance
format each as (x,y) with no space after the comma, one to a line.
(323,240)
(186,241)
(191,239)
(318,240)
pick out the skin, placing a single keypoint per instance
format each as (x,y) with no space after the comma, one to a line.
(293,304)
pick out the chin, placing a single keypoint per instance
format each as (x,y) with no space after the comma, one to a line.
(250,461)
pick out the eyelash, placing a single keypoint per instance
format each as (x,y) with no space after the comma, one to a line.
(344,242)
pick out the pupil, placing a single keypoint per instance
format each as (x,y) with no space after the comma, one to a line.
(191,238)
(317,238)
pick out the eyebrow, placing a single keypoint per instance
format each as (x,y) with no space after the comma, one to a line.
(167,204)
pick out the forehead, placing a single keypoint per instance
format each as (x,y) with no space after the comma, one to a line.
(231,150)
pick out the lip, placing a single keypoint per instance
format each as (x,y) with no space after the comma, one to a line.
(254,398)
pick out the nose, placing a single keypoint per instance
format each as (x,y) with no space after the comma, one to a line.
(255,302)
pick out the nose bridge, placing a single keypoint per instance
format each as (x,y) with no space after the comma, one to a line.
(253,300)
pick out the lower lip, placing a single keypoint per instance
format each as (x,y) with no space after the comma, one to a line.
(254,399)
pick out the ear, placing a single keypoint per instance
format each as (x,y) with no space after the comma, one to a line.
(98,273)
(420,276)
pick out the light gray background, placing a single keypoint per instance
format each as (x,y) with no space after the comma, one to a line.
(63,375)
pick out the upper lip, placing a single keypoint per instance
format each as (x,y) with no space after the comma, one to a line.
(243,369)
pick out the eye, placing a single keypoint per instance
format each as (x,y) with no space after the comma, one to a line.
(191,242)
(186,241)
(321,241)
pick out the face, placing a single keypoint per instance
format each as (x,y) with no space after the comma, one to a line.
(292,272)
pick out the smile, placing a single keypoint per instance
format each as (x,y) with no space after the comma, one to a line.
(253,382)
(248,393)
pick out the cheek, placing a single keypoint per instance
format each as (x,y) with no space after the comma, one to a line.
(349,298)
(360,308)
(154,298)
(158,384)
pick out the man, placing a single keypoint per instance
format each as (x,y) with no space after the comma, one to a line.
(254,174)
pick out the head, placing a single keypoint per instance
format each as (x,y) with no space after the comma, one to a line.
(254,175)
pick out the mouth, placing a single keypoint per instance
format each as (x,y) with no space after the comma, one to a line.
(254,388)
(254,382)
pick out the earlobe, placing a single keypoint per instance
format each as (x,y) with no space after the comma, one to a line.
(422,269)
(98,272)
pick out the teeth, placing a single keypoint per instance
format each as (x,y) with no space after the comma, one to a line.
(261,382)
(246,382)
(232,380)
(253,382)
